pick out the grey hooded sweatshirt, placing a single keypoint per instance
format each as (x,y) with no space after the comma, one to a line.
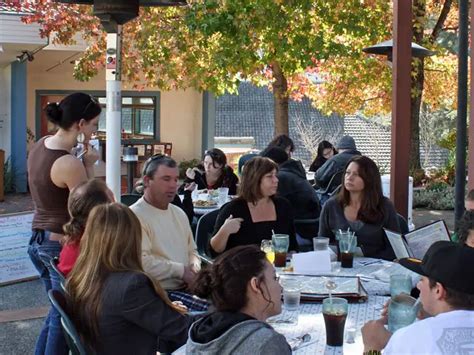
(234,333)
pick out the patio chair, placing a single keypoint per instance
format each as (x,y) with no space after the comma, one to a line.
(331,189)
(54,264)
(402,222)
(303,243)
(73,340)
(129,199)
(204,229)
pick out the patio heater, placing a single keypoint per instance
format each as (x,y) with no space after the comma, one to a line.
(401,108)
(113,14)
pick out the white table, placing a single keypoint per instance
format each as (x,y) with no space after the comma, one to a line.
(309,319)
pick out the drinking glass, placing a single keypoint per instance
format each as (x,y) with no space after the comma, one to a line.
(281,243)
(335,314)
(291,293)
(223,193)
(267,247)
(347,246)
(400,283)
(320,243)
(401,312)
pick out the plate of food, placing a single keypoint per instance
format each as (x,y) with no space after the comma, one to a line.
(205,204)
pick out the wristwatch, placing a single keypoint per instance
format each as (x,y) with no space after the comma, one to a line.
(372,352)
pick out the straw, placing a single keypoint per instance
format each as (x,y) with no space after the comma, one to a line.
(273,232)
(417,302)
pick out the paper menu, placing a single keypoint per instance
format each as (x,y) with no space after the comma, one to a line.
(312,263)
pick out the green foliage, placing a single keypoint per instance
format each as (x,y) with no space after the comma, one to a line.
(185,164)
(8,177)
(440,197)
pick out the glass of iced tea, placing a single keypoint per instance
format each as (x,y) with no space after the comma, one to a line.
(281,243)
(335,314)
(267,247)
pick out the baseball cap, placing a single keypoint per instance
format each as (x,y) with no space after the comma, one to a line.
(448,263)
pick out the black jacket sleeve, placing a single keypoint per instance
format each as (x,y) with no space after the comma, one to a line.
(145,308)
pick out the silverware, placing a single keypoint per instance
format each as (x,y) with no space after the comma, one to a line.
(300,340)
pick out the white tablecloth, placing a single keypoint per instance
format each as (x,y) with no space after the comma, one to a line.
(310,320)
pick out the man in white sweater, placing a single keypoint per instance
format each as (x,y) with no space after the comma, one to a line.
(168,249)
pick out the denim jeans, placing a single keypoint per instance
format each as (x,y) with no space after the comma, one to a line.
(41,250)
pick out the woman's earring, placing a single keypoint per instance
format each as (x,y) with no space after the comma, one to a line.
(81,137)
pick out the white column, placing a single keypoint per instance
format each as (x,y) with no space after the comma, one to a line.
(114,112)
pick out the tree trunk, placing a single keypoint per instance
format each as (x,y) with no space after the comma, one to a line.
(417,84)
(280,101)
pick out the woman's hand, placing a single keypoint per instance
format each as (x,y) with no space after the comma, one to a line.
(232,225)
(190,173)
(90,155)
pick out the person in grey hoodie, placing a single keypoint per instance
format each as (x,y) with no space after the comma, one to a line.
(244,289)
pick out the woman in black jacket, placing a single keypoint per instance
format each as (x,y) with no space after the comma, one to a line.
(115,306)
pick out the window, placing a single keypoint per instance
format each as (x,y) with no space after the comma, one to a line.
(138,116)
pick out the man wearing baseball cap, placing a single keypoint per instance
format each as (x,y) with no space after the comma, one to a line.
(447,295)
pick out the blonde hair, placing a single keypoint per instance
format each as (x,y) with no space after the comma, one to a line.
(111,243)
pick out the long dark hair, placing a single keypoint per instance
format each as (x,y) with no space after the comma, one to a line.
(225,282)
(371,209)
(320,159)
(72,109)
(220,159)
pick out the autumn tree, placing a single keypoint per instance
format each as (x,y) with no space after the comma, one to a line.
(214,44)
(363,83)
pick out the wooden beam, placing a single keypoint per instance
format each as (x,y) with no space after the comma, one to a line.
(401,115)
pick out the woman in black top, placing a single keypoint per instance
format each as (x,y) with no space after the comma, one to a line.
(116,307)
(257,213)
(325,151)
(212,174)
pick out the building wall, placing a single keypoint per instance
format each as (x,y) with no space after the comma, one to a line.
(5,111)
(180,111)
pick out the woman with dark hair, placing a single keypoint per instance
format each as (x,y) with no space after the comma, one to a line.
(465,229)
(116,307)
(82,199)
(284,142)
(257,213)
(361,207)
(245,291)
(52,172)
(325,151)
(212,174)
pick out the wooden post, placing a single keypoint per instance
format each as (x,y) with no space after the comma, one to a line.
(401,116)
(2,173)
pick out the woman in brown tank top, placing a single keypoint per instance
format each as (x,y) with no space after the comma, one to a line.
(52,172)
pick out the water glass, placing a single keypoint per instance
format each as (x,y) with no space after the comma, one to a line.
(223,193)
(401,312)
(320,243)
(335,314)
(291,293)
(400,283)
(281,243)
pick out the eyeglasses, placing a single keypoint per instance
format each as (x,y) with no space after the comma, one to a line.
(91,102)
(149,160)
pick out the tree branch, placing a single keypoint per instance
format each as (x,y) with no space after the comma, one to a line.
(439,24)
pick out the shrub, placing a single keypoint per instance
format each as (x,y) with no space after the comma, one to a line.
(185,164)
(436,197)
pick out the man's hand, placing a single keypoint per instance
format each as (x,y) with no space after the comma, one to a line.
(374,334)
(189,275)
(232,225)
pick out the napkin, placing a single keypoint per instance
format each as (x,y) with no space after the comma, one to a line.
(312,263)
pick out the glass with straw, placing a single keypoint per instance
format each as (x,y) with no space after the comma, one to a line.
(281,243)
(347,246)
